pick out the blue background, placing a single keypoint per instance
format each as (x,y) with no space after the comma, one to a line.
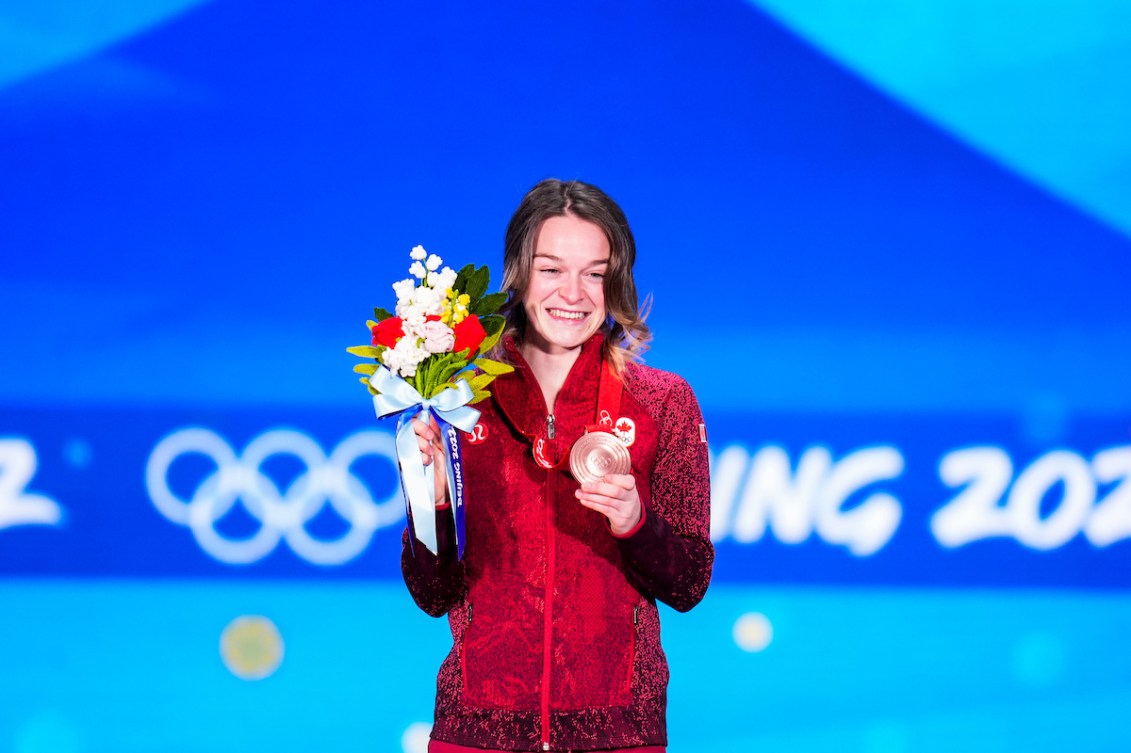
(898,230)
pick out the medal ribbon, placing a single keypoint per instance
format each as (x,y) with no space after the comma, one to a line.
(610,388)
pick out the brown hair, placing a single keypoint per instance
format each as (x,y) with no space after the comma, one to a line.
(626,334)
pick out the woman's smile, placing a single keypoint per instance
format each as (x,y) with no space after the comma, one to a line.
(565,296)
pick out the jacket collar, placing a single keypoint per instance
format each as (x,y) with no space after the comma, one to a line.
(520,397)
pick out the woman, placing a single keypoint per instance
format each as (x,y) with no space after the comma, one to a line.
(553,607)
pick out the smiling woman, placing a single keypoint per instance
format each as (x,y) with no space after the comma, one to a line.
(553,607)
(578,219)
(565,299)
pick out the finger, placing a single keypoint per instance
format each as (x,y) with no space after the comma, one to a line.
(623,480)
(600,506)
(620,519)
(613,484)
(608,489)
(610,503)
(428,439)
(424,431)
(607,505)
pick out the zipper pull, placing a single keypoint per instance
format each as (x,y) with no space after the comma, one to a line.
(550,426)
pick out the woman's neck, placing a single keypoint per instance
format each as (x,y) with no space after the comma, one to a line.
(550,369)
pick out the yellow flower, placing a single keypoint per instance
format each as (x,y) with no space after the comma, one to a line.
(455,308)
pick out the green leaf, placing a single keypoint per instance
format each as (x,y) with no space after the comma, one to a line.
(434,373)
(441,387)
(422,380)
(365,351)
(462,277)
(493,325)
(365,381)
(488,304)
(469,375)
(478,282)
(489,343)
(381,314)
(365,368)
(445,376)
(494,368)
(446,368)
(480,381)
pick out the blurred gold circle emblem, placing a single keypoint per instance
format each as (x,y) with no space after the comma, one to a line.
(251,647)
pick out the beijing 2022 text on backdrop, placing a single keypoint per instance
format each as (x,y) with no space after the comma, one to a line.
(887,243)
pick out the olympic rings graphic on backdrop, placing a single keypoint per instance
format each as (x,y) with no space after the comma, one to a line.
(281,513)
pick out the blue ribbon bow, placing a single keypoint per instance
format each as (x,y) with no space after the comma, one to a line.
(398,397)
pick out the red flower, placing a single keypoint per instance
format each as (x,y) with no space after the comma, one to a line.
(388,332)
(469,334)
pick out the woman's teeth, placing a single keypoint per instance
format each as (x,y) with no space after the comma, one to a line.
(559,314)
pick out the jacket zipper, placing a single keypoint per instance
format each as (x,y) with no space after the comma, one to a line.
(548,613)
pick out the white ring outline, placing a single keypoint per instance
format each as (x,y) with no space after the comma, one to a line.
(283,514)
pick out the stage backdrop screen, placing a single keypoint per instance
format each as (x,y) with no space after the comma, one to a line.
(888,245)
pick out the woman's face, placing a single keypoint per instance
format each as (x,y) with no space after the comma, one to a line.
(565,297)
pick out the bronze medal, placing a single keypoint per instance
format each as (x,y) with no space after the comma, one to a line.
(598,454)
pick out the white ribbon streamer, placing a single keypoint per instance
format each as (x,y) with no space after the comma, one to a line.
(396,396)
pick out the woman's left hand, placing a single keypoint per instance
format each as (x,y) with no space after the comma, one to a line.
(615,497)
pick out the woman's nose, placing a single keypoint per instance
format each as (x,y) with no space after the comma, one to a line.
(571,289)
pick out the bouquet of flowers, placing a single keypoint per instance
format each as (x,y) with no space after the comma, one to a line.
(429,361)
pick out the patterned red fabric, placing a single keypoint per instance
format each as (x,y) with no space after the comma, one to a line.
(556,636)
(439,746)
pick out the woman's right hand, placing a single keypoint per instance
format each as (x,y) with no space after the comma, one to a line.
(432,447)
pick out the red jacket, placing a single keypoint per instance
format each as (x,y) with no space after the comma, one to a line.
(556,636)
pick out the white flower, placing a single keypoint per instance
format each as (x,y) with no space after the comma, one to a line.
(438,337)
(433,281)
(428,300)
(445,278)
(424,302)
(404,289)
(418,253)
(393,360)
(412,317)
(405,357)
(417,270)
(433,263)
